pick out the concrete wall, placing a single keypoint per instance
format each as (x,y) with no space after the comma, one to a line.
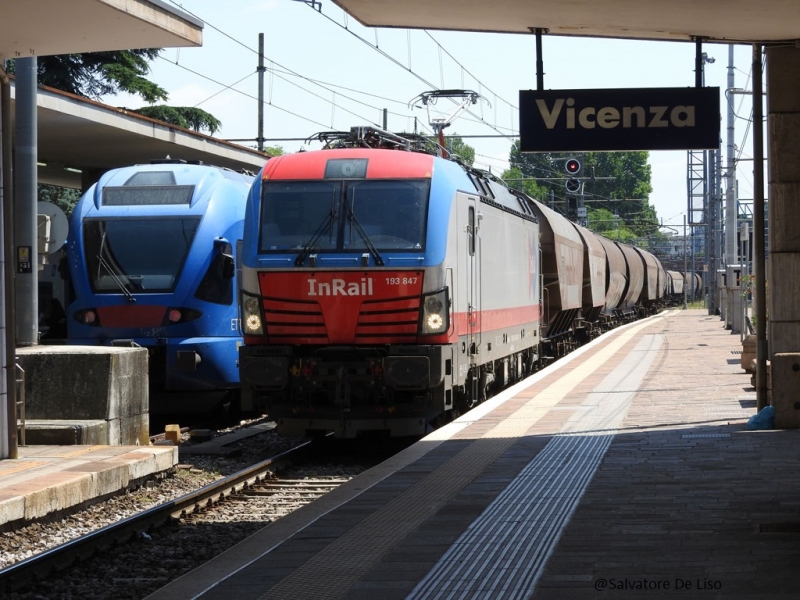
(89,383)
(783,269)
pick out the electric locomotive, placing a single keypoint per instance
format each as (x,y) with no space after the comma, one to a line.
(150,254)
(384,289)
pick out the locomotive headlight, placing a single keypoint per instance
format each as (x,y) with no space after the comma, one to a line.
(253,324)
(251,318)
(435,322)
(435,314)
(433,305)
(251,305)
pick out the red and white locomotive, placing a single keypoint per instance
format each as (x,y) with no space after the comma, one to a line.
(386,289)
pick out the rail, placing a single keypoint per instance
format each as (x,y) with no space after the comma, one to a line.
(60,558)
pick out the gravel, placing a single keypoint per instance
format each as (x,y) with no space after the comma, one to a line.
(141,566)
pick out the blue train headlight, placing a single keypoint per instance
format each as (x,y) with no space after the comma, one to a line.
(88,316)
(435,313)
(176,315)
(252,324)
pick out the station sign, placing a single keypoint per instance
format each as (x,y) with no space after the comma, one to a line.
(619,119)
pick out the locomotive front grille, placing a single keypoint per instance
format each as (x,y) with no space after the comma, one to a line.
(392,320)
(396,318)
(288,319)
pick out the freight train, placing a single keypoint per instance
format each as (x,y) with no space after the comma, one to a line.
(386,289)
(151,263)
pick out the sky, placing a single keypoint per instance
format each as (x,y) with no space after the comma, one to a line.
(325,71)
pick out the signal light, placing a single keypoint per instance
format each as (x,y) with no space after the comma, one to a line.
(573,166)
(573,185)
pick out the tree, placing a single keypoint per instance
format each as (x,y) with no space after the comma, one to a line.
(606,223)
(514,179)
(64,198)
(97,74)
(457,146)
(627,189)
(616,181)
(542,166)
(187,117)
(274,150)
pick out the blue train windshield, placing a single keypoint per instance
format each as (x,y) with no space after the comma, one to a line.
(137,255)
(342,215)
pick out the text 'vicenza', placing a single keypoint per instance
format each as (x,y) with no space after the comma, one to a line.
(609,117)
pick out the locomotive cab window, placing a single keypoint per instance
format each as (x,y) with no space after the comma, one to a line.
(295,212)
(344,215)
(389,214)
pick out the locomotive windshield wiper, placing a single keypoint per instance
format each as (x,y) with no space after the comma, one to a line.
(114,275)
(301,258)
(351,215)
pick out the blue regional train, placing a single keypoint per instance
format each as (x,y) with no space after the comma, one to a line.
(151,263)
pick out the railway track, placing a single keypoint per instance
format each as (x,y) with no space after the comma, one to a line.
(284,496)
(253,482)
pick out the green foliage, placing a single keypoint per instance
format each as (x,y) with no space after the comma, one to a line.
(514,179)
(64,198)
(187,117)
(627,192)
(617,182)
(604,222)
(457,146)
(96,74)
(274,150)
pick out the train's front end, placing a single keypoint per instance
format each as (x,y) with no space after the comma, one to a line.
(151,264)
(345,304)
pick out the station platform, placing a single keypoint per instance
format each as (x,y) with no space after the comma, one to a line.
(47,479)
(624,470)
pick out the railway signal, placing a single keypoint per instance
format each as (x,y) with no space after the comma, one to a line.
(573,167)
(573,185)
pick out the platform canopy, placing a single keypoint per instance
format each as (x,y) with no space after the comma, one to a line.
(712,20)
(47,27)
(78,139)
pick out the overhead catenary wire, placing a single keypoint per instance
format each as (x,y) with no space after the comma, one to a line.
(243,93)
(477,119)
(385,54)
(285,69)
(464,69)
(336,94)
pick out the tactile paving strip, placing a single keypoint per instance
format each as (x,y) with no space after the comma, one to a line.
(340,565)
(503,552)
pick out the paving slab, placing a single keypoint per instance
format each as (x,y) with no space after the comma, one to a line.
(47,479)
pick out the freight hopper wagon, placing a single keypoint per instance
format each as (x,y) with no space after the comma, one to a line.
(654,283)
(151,263)
(617,280)
(384,289)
